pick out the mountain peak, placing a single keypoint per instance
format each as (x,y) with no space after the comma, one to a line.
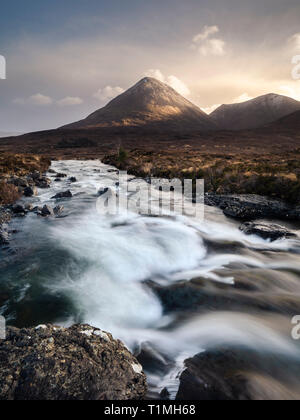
(254,113)
(147,80)
(150,104)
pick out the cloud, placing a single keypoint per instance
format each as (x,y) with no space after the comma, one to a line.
(211,109)
(19,101)
(242,98)
(156,73)
(291,91)
(108,93)
(70,101)
(171,80)
(37,100)
(207,45)
(40,100)
(295,41)
(206,33)
(213,47)
(43,100)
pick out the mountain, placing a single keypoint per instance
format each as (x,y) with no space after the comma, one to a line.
(149,104)
(8,134)
(289,123)
(254,113)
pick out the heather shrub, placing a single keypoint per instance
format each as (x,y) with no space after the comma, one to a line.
(8,193)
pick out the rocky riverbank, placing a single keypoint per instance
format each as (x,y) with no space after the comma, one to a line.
(243,189)
(20,175)
(249,207)
(79,363)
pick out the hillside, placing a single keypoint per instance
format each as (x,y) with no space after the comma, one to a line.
(255,113)
(149,104)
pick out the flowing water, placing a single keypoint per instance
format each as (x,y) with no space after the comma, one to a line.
(170,286)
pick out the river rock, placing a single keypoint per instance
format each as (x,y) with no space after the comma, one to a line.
(65,194)
(73,179)
(4,236)
(165,394)
(35,175)
(29,207)
(43,183)
(234,374)
(266,231)
(18,182)
(252,207)
(37,209)
(5,215)
(61,175)
(18,209)
(103,191)
(58,210)
(79,363)
(30,191)
(47,211)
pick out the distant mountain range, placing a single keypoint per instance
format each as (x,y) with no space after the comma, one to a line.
(150,104)
(153,104)
(151,114)
(255,113)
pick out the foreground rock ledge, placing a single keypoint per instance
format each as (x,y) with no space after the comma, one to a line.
(79,363)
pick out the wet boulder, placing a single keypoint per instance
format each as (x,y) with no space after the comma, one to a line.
(65,194)
(165,395)
(232,374)
(47,211)
(35,175)
(61,175)
(37,209)
(43,183)
(249,207)
(78,363)
(267,231)
(73,179)
(18,182)
(103,191)
(18,209)
(30,191)
(58,210)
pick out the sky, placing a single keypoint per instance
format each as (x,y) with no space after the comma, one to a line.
(65,59)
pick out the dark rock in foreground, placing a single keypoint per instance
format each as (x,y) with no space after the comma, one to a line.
(30,191)
(266,231)
(47,211)
(18,209)
(65,194)
(236,375)
(58,210)
(79,363)
(252,207)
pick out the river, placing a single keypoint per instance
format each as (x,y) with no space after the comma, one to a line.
(172,285)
